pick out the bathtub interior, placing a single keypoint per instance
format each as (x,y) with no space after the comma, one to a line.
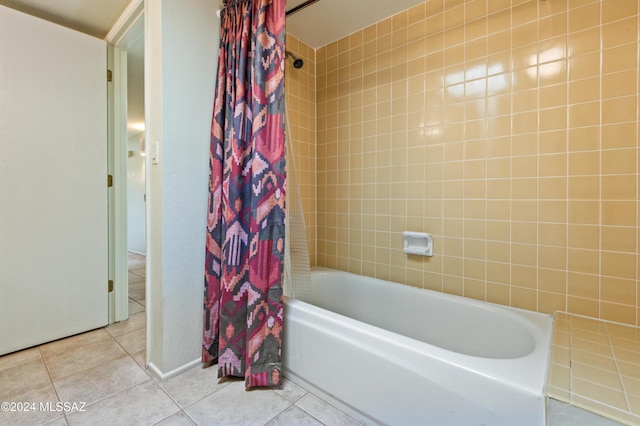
(457,324)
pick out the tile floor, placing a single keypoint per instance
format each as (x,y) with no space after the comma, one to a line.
(102,371)
(596,365)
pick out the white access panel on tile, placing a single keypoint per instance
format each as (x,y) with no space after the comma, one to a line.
(53,193)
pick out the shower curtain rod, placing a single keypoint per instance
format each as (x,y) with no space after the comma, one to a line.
(300,7)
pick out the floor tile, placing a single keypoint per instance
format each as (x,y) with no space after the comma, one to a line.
(294,416)
(135,278)
(58,422)
(136,260)
(178,419)
(290,391)
(20,379)
(135,322)
(80,358)
(135,307)
(137,294)
(36,414)
(20,357)
(140,358)
(134,341)
(324,412)
(193,385)
(101,381)
(60,347)
(139,285)
(143,404)
(136,263)
(233,405)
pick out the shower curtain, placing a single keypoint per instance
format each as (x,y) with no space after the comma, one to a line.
(243,304)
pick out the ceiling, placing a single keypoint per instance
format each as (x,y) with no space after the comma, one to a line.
(93,17)
(317,25)
(326,21)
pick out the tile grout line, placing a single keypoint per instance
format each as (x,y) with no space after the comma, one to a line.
(180,408)
(55,390)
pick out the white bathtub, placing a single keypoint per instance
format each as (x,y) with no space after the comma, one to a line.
(392,354)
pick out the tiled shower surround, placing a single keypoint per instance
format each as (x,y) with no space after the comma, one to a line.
(507,129)
(301,113)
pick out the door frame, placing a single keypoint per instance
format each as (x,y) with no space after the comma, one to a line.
(125,32)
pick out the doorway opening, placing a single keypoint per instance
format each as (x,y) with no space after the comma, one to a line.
(136,177)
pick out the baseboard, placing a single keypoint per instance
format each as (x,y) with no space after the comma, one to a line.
(175,372)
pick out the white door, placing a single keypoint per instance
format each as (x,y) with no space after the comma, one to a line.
(53,177)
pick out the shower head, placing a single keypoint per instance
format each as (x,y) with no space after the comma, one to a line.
(297,62)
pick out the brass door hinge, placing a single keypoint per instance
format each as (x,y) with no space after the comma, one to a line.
(109,75)
(110,285)
(109,181)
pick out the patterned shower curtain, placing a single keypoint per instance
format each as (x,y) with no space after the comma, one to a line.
(243,304)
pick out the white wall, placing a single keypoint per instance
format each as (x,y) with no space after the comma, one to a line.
(181,40)
(136,240)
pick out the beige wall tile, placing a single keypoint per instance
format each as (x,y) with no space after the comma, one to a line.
(619,238)
(552,257)
(584,307)
(618,290)
(552,210)
(624,314)
(523,298)
(622,265)
(553,281)
(507,129)
(550,303)
(583,285)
